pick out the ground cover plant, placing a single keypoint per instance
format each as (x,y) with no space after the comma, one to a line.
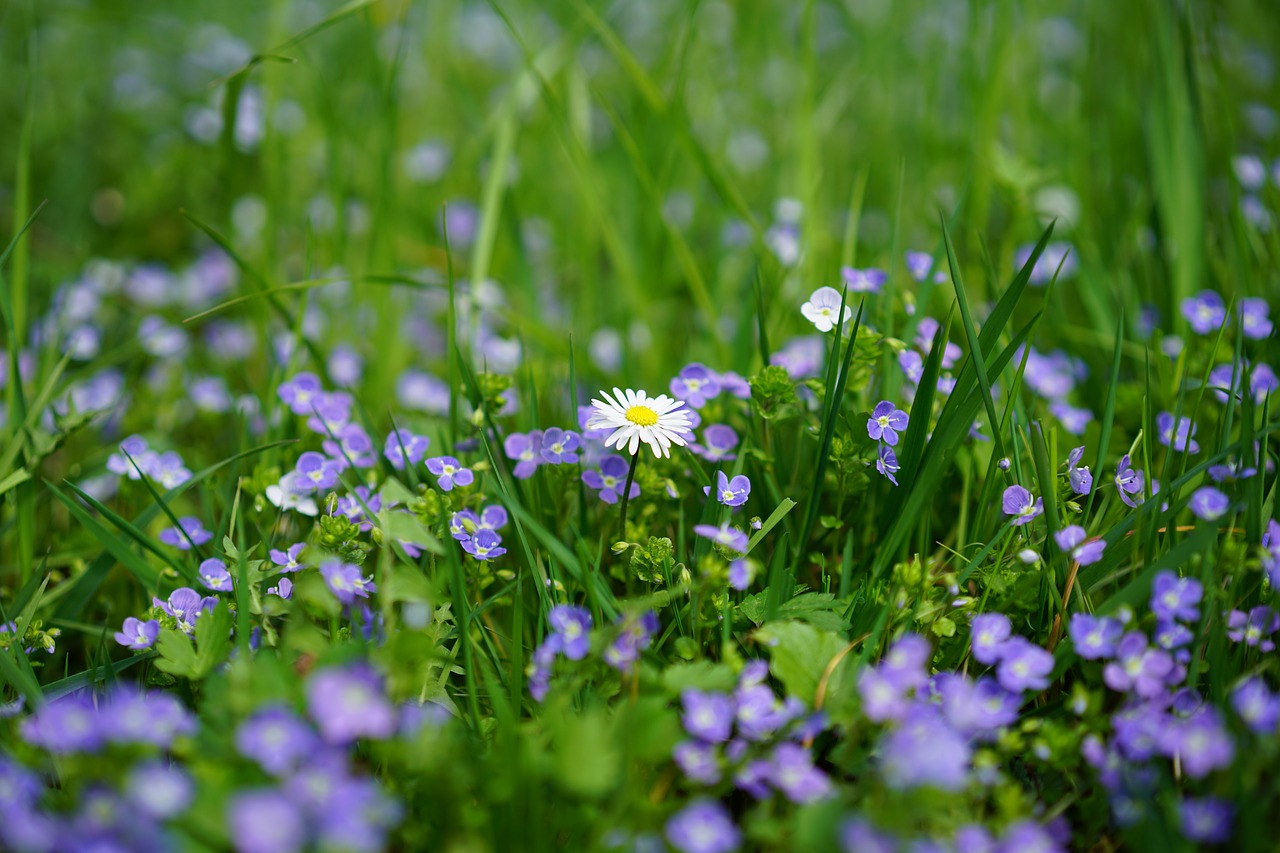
(639,426)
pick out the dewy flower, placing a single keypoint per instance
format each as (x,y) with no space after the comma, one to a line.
(559,446)
(345,580)
(696,384)
(1079,477)
(1205,312)
(449,472)
(863,281)
(1072,540)
(484,545)
(886,421)
(1254,318)
(823,308)
(729,537)
(730,492)
(525,450)
(1019,503)
(214,575)
(703,826)
(1179,436)
(137,634)
(571,625)
(1209,504)
(191,532)
(887,463)
(635,417)
(611,479)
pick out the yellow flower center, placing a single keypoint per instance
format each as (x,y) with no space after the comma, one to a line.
(642,416)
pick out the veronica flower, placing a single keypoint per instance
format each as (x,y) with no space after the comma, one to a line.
(1128,482)
(1253,628)
(403,447)
(137,634)
(185,605)
(1173,597)
(449,472)
(703,826)
(1094,637)
(214,575)
(353,507)
(484,545)
(346,581)
(792,772)
(734,384)
(696,384)
(1019,503)
(190,533)
(1206,819)
(1179,436)
(349,703)
(330,412)
(277,739)
(132,448)
(729,537)
(730,492)
(887,463)
(634,417)
(1208,503)
(1074,420)
(525,450)
(926,333)
(168,470)
(719,441)
(422,392)
(637,633)
(1257,706)
(299,392)
(699,761)
(740,574)
(975,708)
(282,589)
(287,560)
(886,422)
(1023,665)
(988,635)
(707,716)
(353,447)
(571,625)
(1072,540)
(265,821)
(801,357)
(285,496)
(159,790)
(1205,312)
(924,751)
(68,724)
(863,281)
(315,473)
(559,446)
(1079,477)
(1201,742)
(1229,377)
(823,307)
(1138,668)
(611,479)
(1254,318)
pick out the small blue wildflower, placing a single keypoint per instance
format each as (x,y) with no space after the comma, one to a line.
(729,537)
(137,634)
(403,447)
(610,479)
(887,463)
(886,421)
(559,446)
(572,625)
(526,450)
(316,473)
(696,384)
(1205,312)
(190,533)
(1021,504)
(449,472)
(864,281)
(484,545)
(730,492)
(214,575)
(1209,504)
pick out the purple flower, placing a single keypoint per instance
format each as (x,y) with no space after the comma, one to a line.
(1254,628)
(288,560)
(214,575)
(696,384)
(1094,637)
(422,392)
(735,385)
(1128,482)
(1206,819)
(919,264)
(265,821)
(403,447)
(159,790)
(703,826)
(299,392)
(330,413)
(924,751)
(907,660)
(730,492)
(1074,420)
(484,545)
(277,739)
(1257,706)
(1072,541)
(792,772)
(462,524)
(863,281)
(975,708)
(1023,665)
(1173,597)
(887,463)
(66,725)
(137,634)
(354,447)
(185,605)
(1027,836)
(283,588)
(349,703)
(190,533)
(699,761)
(559,446)
(611,479)
(720,441)
(352,506)
(988,635)
(1180,435)
(449,472)
(739,574)
(1201,742)
(133,717)
(1224,377)
(1138,668)
(758,711)
(526,450)
(1079,477)
(316,473)
(882,698)
(1019,503)
(857,835)
(1254,318)
(731,538)
(1055,255)
(637,634)
(346,581)
(886,422)
(1204,311)
(1209,504)
(707,716)
(572,625)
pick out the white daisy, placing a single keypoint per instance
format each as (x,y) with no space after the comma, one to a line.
(634,417)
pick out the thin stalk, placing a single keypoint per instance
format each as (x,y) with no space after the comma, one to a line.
(626,496)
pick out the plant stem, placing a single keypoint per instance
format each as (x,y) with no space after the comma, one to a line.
(626,495)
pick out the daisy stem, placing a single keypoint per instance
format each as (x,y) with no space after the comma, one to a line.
(626,495)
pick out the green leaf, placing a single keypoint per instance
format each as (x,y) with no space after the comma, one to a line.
(799,654)
(177,655)
(587,758)
(407,528)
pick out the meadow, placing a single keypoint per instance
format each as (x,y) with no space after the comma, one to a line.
(639,426)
